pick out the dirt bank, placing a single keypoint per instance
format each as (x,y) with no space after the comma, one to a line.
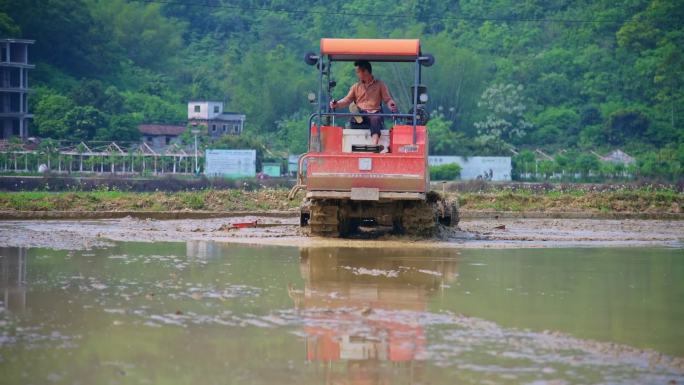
(473,233)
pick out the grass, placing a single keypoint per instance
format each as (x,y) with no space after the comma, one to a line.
(215,200)
(638,200)
(626,200)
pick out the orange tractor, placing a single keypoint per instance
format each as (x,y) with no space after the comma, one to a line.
(349,182)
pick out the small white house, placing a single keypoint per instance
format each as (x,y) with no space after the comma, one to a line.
(217,121)
(204,110)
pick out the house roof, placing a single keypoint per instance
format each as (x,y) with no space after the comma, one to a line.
(11,40)
(229,117)
(618,156)
(161,129)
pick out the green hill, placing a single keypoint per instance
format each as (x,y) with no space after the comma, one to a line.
(575,75)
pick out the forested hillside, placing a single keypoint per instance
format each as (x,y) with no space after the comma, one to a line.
(556,75)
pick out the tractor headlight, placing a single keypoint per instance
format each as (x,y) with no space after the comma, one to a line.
(311,97)
(423,98)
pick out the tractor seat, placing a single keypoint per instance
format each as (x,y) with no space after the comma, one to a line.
(358,140)
(376,148)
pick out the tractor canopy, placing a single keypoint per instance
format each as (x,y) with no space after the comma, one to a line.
(390,50)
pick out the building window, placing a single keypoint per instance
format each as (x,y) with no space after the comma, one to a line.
(197,108)
(168,139)
(216,109)
(213,128)
(225,128)
(236,128)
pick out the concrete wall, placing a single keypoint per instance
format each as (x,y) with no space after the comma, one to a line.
(473,167)
(231,163)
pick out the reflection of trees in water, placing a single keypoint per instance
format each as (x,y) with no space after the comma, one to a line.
(13,278)
(361,309)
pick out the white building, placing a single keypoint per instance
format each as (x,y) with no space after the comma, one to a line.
(14,88)
(218,122)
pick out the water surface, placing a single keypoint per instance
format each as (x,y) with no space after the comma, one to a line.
(196,312)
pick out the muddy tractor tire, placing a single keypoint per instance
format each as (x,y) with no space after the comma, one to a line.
(342,217)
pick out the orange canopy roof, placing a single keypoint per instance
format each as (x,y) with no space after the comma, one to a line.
(371,49)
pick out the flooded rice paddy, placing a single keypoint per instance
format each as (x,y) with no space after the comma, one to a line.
(212,313)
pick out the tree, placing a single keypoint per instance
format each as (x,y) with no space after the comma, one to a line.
(121,128)
(623,125)
(588,86)
(141,30)
(556,125)
(50,115)
(266,85)
(84,122)
(505,118)
(524,162)
(465,70)
(293,134)
(153,109)
(443,141)
(80,149)
(586,163)
(7,26)
(656,37)
(89,92)
(590,115)
(50,149)
(66,34)
(563,163)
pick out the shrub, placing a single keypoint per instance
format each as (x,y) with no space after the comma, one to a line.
(451,171)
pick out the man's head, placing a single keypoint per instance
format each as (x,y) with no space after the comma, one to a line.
(364,70)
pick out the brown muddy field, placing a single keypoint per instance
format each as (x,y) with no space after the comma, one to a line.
(471,233)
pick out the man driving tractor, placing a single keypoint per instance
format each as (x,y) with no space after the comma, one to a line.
(368,93)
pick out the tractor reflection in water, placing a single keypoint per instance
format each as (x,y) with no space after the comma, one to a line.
(361,314)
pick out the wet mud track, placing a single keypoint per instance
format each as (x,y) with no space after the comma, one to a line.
(473,233)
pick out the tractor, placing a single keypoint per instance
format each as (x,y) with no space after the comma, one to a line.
(350,183)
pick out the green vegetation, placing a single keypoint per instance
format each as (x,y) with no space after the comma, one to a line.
(632,201)
(445,172)
(619,200)
(573,165)
(210,200)
(555,75)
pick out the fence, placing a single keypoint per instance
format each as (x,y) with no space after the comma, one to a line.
(110,158)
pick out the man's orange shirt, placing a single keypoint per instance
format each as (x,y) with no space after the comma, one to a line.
(368,96)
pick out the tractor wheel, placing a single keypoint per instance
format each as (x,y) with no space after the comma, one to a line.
(418,219)
(323,220)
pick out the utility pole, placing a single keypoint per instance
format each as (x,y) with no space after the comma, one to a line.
(195,132)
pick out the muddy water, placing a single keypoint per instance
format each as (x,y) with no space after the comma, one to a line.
(197,312)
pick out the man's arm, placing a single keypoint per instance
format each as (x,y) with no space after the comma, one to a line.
(387,98)
(345,101)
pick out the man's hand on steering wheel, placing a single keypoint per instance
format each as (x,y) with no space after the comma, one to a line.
(392,105)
